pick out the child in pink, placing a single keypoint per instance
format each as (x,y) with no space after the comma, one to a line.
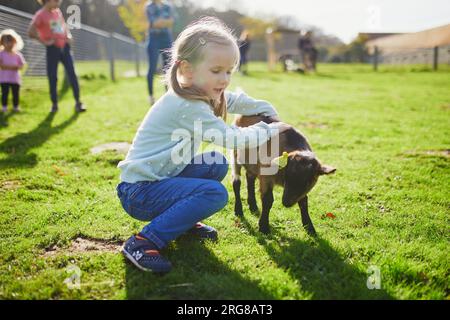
(11,61)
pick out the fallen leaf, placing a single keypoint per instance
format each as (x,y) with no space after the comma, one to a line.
(328,215)
(59,171)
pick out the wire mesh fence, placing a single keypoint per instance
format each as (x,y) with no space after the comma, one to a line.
(429,57)
(96,52)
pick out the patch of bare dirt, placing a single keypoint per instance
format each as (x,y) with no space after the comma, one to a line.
(314,125)
(119,147)
(83,245)
(441,153)
(9,185)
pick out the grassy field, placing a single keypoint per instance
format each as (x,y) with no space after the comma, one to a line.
(388,134)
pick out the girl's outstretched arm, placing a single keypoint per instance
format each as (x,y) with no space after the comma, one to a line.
(200,120)
(241,103)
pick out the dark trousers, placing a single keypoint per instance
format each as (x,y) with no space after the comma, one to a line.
(54,56)
(15,88)
(157,44)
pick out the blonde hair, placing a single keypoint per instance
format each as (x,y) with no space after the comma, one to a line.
(189,46)
(10,33)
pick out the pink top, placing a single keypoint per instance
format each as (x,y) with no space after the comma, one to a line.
(51,25)
(13,59)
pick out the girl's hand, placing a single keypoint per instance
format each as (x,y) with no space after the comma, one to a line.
(48,42)
(9,68)
(69,37)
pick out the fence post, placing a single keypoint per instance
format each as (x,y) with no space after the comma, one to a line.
(375,59)
(111,57)
(138,60)
(435,58)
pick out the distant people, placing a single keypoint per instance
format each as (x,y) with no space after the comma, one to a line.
(49,28)
(244,46)
(307,51)
(11,61)
(161,18)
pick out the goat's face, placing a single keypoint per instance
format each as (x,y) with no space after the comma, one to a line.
(300,175)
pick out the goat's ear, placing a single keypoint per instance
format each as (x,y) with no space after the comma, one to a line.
(327,170)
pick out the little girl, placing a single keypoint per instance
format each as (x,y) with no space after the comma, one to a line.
(162,181)
(49,28)
(11,61)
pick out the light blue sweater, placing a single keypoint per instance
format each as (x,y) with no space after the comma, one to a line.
(170,135)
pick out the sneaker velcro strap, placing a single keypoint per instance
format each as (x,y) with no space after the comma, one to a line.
(152,252)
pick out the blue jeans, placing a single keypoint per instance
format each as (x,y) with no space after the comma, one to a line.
(176,204)
(157,44)
(54,56)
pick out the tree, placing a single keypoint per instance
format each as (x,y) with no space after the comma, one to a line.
(132,13)
(256,27)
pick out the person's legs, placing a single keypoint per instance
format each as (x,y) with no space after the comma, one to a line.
(15,92)
(53,56)
(5,94)
(173,205)
(211,165)
(67,61)
(153,54)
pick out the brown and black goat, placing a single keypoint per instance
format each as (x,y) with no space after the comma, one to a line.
(297,172)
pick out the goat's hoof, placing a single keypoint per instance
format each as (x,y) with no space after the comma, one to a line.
(311,231)
(264,229)
(253,208)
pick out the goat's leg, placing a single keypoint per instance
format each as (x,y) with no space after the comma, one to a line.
(251,200)
(236,173)
(267,201)
(306,220)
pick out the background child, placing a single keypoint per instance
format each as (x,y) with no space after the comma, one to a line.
(161,19)
(11,61)
(49,27)
(176,195)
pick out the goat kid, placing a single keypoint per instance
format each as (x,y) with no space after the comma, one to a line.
(299,170)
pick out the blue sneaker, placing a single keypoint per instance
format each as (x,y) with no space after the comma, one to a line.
(204,232)
(144,255)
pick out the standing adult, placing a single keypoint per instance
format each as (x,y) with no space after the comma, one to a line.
(161,18)
(244,46)
(308,51)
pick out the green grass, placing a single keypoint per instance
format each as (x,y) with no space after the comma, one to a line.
(390,197)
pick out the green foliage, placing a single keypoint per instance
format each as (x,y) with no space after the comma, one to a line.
(134,18)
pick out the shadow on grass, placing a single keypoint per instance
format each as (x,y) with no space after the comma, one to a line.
(318,268)
(4,117)
(17,148)
(197,274)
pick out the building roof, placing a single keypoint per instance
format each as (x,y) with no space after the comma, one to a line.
(430,38)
